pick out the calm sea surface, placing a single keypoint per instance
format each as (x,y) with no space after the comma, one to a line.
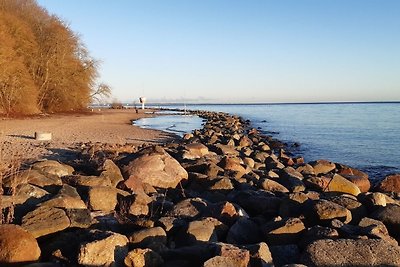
(361,135)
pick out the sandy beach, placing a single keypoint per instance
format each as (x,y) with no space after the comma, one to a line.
(105,126)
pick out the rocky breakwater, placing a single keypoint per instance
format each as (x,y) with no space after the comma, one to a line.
(224,195)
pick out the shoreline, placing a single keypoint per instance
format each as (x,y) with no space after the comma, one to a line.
(223,195)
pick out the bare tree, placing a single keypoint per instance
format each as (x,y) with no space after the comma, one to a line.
(101,92)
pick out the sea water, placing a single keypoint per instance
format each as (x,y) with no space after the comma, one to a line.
(361,135)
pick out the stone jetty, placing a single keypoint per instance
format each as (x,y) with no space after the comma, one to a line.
(224,195)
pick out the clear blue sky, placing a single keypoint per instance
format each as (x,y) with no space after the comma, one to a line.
(241,50)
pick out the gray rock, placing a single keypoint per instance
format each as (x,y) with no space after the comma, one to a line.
(244,231)
(390,216)
(349,252)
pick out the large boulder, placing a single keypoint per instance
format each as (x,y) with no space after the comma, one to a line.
(357,177)
(340,184)
(390,184)
(17,246)
(156,167)
(349,252)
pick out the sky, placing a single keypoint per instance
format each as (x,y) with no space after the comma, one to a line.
(241,51)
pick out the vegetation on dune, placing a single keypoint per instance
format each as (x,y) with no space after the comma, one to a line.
(44,67)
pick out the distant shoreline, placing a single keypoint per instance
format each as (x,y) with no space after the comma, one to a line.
(277,103)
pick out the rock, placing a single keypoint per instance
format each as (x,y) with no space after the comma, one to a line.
(67,198)
(244,231)
(194,151)
(287,254)
(147,237)
(317,232)
(391,183)
(143,258)
(306,169)
(111,172)
(245,141)
(107,249)
(221,184)
(292,183)
(188,208)
(35,177)
(17,246)
(390,216)
(322,166)
(225,150)
(79,218)
(240,257)
(52,167)
(273,186)
(249,162)
(340,184)
(376,229)
(283,232)
(137,204)
(294,205)
(205,230)
(232,164)
(45,220)
(358,210)
(219,261)
(224,212)
(357,177)
(156,167)
(87,181)
(102,198)
(260,255)
(323,211)
(349,252)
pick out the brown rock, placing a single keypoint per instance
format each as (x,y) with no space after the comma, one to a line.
(322,166)
(232,164)
(107,249)
(147,237)
(271,185)
(111,172)
(357,177)
(143,258)
(17,246)
(52,167)
(102,198)
(390,184)
(240,257)
(45,220)
(325,211)
(194,151)
(156,167)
